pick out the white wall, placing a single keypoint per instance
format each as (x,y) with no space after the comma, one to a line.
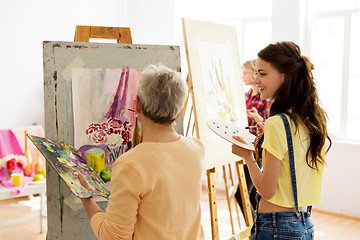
(341,185)
(24,25)
(151,22)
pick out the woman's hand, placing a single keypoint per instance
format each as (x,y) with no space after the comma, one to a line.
(260,128)
(246,154)
(83,181)
(254,114)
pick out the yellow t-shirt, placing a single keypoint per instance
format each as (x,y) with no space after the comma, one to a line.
(308,180)
(155,193)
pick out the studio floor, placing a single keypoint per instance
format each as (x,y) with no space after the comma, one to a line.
(327,227)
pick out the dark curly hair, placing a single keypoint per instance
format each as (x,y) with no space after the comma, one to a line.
(297,97)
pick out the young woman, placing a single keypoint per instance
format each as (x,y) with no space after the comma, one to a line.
(285,76)
(156,186)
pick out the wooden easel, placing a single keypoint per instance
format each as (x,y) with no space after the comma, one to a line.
(84,33)
(211,181)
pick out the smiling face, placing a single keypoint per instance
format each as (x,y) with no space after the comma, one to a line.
(268,79)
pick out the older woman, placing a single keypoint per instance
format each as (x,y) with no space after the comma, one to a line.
(156,186)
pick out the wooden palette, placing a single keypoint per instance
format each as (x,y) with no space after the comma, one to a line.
(68,162)
(227,130)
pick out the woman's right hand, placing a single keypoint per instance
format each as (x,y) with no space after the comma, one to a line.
(260,128)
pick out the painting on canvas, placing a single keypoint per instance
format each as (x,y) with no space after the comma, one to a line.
(214,66)
(104,117)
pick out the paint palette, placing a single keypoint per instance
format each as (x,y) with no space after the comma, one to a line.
(68,162)
(228,130)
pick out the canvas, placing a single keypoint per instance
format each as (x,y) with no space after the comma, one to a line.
(214,67)
(62,61)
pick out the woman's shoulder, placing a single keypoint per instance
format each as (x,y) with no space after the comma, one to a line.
(274,120)
(274,125)
(134,153)
(194,140)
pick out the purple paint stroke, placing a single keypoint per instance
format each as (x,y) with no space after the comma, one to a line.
(123,98)
(112,111)
(117,104)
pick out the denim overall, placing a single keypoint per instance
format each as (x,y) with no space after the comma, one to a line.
(284,225)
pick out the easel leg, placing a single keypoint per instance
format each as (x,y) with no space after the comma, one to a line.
(244,194)
(212,203)
(228,199)
(233,195)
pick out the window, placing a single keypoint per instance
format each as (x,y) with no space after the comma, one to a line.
(252,20)
(353,114)
(253,35)
(327,55)
(334,50)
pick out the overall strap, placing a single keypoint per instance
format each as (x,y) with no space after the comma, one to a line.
(291,161)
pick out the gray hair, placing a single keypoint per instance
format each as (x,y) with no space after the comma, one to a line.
(161,93)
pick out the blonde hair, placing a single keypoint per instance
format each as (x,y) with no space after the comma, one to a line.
(250,67)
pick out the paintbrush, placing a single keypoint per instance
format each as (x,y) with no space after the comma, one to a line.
(251,127)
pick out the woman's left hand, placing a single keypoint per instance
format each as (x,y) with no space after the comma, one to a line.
(83,181)
(241,152)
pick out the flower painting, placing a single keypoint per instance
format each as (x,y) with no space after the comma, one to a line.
(104,117)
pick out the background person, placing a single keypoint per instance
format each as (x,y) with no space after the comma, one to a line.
(257,108)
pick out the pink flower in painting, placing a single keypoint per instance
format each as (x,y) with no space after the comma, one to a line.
(98,132)
(92,128)
(104,126)
(11,164)
(120,128)
(99,136)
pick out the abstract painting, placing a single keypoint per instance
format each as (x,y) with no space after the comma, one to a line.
(214,67)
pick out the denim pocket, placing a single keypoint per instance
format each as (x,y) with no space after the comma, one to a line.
(277,236)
